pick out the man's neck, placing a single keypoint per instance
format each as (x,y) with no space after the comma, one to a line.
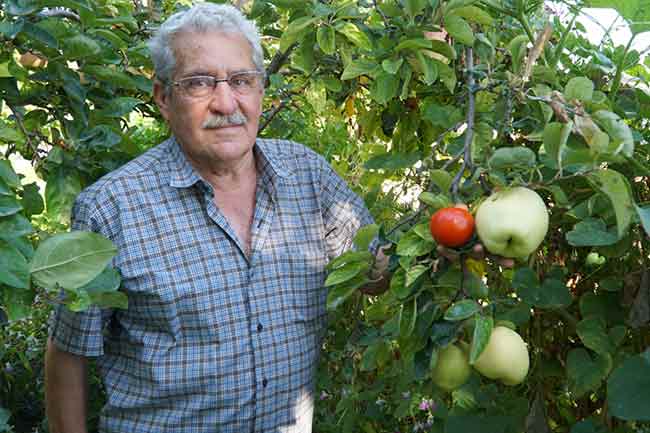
(227,176)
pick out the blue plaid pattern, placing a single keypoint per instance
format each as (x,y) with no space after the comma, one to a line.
(212,341)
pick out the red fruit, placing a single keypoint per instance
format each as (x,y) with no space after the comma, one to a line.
(452,226)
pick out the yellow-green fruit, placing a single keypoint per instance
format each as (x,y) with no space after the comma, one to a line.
(505,357)
(452,369)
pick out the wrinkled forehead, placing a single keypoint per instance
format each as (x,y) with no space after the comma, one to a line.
(212,52)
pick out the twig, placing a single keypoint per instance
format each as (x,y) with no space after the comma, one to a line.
(59,13)
(272,114)
(19,122)
(469,132)
(277,61)
(409,219)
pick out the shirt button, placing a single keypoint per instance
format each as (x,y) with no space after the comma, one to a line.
(265,382)
(259,327)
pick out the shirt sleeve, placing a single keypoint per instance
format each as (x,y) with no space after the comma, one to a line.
(81,333)
(344,213)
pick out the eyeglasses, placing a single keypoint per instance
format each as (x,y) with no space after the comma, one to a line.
(201,86)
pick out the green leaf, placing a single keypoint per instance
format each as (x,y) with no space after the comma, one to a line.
(447,75)
(4,188)
(635,12)
(295,30)
(8,174)
(441,178)
(61,189)
(398,284)
(107,281)
(392,161)
(392,65)
(628,389)
(32,201)
(593,333)
(621,139)
(414,7)
(616,187)
(586,373)
(346,273)
(357,68)
(428,68)
(80,46)
(517,48)
(443,48)
(591,232)
(644,216)
(551,293)
(326,38)
(413,245)
(22,7)
(9,205)
(11,135)
(423,231)
(339,294)
(436,201)
(475,14)
(414,273)
(482,330)
(462,310)
(580,89)
(14,267)
(407,318)
(458,28)
(355,35)
(350,257)
(41,35)
(110,300)
(114,39)
(555,139)
(416,44)
(14,226)
(365,236)
(512,158)
(119,107)
(111,75)
(384,87)
(71,260)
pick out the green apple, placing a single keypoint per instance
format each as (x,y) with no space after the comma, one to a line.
(505,357)
(512,222)
(452,369)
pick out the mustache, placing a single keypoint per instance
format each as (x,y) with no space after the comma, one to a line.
(219,121)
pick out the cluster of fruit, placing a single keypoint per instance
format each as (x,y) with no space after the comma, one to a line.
(511,223)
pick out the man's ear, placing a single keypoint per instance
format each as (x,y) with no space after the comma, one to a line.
(162,98)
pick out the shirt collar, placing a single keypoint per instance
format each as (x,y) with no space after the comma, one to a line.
(183,174)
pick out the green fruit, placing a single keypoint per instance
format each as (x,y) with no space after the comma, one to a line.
(505,357)
(594,259)
(452,369)
(512,222)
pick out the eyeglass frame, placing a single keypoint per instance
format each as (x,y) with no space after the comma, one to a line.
(178,83)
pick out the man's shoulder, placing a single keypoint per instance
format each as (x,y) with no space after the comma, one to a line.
(144,170)
(289,155)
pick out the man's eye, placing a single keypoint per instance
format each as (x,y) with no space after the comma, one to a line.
(198,82)
(242,80)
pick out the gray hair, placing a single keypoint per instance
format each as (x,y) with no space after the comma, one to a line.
(202,18)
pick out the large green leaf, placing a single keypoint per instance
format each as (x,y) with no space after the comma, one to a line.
(462,310)
(384,87)
(635,12)
(346,273)
(580,89)
(459,29)
(392,161)
(355,35)
(365,236)
(80,46)
(60,192)
(482,330)
(9,205)
(71,260)
(586,373)
(326,37)
(8,174)
(621,139)
(357,68)
(14,226)
(591,232)
(628,389)
(616,187)
(14,269)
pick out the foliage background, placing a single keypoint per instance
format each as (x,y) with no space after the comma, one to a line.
(453,98)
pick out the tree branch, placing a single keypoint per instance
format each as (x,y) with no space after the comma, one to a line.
(277,61)
(471,115)
(59,13)
(19,122)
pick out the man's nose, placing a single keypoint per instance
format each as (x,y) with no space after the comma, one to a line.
(223,99)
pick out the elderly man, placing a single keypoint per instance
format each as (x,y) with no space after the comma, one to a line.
(223,239)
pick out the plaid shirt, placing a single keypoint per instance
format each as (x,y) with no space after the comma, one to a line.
(212,341)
